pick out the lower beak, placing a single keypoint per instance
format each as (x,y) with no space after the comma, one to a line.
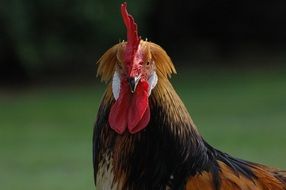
(133,82)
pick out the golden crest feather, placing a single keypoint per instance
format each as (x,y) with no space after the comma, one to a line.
(108,61)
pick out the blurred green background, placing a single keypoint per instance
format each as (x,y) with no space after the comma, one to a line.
(230,57)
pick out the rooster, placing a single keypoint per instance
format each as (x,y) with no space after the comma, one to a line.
(144,137)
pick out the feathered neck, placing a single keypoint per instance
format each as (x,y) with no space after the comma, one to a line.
(165,96)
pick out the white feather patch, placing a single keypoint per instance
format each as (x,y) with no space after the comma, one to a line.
(105,176)
(153,79)
(116,85)
(152,82)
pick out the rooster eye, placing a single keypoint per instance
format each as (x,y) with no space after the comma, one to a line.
(148,63)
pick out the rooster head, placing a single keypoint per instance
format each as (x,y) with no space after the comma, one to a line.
(135,64)
(134,67)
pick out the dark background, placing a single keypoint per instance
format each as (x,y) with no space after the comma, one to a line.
(45,40)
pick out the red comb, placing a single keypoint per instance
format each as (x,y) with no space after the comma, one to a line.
(132,34)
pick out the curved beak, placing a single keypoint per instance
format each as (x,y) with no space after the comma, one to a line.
(133,82)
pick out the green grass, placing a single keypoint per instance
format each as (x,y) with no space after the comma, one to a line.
(45,133)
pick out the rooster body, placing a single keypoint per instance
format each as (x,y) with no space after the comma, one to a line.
(144,137)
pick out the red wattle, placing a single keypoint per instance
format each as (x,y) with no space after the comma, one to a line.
(142,123)
(138,106)
(130,111)
(118,113)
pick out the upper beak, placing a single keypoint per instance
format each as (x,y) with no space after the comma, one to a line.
(133,82)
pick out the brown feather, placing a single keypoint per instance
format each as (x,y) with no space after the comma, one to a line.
(266,179)
(164,64)
(107,62)
(269,178)
(114,55)
(200,181)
